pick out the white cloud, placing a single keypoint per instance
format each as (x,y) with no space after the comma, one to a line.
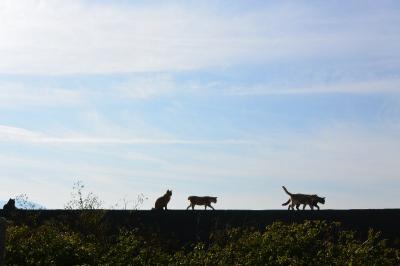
(143,87)
(16,134)
(84,37)
(8,133)
(23,95)
(336,154)
(343,155)
(364,86)
(18,94)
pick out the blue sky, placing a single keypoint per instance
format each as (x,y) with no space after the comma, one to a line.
(224,98)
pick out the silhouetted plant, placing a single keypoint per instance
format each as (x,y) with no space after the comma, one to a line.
(81,200)
(308,243)
(46,245)
(126,204)
(89,213)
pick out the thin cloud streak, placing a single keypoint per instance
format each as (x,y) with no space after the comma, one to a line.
(136,141)
(374,86)
(15,134)
(17,94)
(144,87)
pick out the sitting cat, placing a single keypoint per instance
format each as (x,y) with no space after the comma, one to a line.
(298,199)
(206,201)
(162,201)
(9,206)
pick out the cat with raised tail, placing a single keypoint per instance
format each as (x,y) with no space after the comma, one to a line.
(299,199)
(162,202)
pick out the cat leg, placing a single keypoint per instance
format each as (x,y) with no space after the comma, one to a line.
(190,205)
(304,207)
(316,206)
(297,206)
(209,205)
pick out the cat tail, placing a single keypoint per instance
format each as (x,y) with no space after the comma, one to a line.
(286,203)
(287,192)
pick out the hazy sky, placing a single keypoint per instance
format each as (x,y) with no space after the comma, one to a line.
(225,98)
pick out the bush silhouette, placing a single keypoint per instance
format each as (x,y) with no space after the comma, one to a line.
(308,243)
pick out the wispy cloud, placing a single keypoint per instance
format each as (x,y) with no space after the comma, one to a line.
(25,94)
(16,134)
(143,87)
(86,37)
(19,94)
(348,157)
(364,86)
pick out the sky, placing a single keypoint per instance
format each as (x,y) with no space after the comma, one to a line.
(222,98)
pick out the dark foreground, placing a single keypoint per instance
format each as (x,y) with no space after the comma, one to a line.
(178,237)
(189,226)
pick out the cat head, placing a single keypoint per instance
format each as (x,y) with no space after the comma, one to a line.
(212,199)
(321,200)
(11,202)
(169,192)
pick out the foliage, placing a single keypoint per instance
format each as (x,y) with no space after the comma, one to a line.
(308,243)
(132,249)
(46,245)
(81,200)
(89,220)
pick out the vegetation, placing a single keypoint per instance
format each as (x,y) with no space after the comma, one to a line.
(309,243)
(82,236)
(82,200)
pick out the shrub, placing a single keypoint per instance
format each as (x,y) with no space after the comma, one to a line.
(131,249)
(308,243)
(46,245)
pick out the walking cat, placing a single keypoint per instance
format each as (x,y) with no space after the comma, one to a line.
(298,199)
(206,201)
(162,202)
